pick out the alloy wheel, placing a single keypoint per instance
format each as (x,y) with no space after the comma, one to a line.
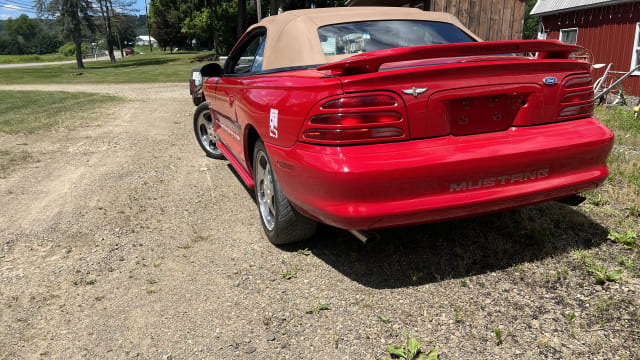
(265,193)
(206,135)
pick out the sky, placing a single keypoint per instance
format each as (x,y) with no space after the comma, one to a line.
(15,8)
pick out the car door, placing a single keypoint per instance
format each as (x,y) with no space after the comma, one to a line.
(245,60)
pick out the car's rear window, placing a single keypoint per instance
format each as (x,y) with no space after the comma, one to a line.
(365,36)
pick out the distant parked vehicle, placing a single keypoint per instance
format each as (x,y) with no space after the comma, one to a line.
(129,51)
(195,87)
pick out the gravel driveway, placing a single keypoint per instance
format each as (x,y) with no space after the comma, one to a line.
(122,240)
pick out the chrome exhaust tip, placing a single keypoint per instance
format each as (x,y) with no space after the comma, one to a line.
(364,236)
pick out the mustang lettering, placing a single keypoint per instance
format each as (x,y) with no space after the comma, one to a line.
(499,180)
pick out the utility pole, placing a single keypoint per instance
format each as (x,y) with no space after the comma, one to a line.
(146,10)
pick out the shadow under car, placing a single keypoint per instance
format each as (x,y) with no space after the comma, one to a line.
(416,255)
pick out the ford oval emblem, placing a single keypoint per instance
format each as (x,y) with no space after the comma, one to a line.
(550,80)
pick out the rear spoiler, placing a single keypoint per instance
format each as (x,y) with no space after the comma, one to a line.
(371,61)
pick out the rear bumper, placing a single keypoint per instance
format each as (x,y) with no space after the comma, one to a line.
(402,183)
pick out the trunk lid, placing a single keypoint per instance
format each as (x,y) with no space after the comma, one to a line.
(470,94)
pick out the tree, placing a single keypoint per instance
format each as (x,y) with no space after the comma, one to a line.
(220,23)
(198,27)
(72,15)
(125,34)
(120,27)
(530,30)
(28,36)
(23,27)
(46,43)
(105,11)
(21,33)
(9,46)
(225,26)
(242,17)
(166,23)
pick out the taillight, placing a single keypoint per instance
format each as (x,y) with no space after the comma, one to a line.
(577,110)
(352,134)
(578,82)
(577,98)
(356,119)
(360,101)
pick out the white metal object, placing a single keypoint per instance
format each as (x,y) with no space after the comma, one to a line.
(599,82)
(615,83)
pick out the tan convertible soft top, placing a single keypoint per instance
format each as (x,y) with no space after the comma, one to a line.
(292,37)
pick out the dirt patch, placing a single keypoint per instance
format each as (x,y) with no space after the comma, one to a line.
(11,159)
(124,240)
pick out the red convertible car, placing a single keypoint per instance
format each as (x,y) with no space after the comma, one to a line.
(366,118)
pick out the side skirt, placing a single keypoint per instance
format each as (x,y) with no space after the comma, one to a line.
(248,180)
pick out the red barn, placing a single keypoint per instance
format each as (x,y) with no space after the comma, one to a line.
(609,28)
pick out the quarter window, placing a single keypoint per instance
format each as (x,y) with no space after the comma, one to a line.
(569,36)
(251,57)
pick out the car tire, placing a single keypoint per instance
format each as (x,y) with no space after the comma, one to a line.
(203,128)
(281,222)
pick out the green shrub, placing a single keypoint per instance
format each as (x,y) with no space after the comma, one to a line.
(69,49)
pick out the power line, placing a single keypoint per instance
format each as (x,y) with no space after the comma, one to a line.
(4,5)
(20,4)
(24,2)
(13,6)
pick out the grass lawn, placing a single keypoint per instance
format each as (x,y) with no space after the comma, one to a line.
(150,67)
(21,59)
(617,201)
(623,124)
(27,112)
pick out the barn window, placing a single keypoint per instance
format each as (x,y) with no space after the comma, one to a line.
(569,36)
(635,56)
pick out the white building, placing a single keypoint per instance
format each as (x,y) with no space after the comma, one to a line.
(144,40)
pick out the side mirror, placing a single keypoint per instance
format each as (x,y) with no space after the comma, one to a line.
(211,70)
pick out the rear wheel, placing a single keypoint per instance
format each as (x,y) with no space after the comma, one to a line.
(281,222)
(203,128)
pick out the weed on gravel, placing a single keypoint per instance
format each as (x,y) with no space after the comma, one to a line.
(411,350)
(316,309)
(627,262)
(289,274)
(602,274)
(628,238)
